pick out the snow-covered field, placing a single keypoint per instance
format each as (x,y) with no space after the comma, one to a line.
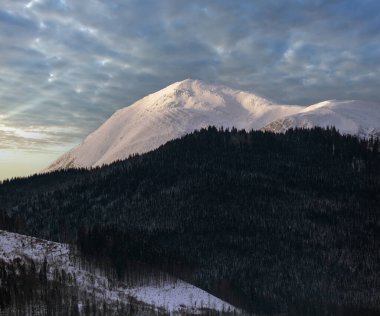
(173,296)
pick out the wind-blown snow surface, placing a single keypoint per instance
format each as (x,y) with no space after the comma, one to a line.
(173,296)
(348,116)
(170,113)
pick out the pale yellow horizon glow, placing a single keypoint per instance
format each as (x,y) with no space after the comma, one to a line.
(27,150)
(20,163)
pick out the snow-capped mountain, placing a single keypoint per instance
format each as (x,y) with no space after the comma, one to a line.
(348,116)
(167,114)
(188,105)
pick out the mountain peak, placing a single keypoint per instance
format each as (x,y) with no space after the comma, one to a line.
(184,84)
(172,112)
(187,105)
(194,85)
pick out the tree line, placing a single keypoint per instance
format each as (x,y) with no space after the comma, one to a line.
(275,223)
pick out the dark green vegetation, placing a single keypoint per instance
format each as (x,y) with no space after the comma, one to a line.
(276,223)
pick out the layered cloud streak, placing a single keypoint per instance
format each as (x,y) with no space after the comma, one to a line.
(66,65)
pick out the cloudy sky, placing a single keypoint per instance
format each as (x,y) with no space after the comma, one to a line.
(67,65)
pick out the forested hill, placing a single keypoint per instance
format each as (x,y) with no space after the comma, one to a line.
(278,222)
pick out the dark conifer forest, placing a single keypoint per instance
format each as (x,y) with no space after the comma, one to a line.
(274,223)
(25,289)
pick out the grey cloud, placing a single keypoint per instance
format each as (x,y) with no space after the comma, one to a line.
(72,63)
(13,23)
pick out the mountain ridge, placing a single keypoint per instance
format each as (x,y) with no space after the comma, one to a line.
(188,105)
(354,117)
(168,114)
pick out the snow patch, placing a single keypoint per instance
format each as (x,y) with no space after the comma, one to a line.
(173,296)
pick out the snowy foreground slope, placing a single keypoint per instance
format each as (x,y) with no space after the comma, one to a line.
(348,116)
(174,296)
(188,105)
(171,113)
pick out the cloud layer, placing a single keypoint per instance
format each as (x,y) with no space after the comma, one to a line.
(66,65)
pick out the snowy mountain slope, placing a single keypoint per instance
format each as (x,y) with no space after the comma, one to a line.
(173,296)
(167,114)
(188,105)
(348,116)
